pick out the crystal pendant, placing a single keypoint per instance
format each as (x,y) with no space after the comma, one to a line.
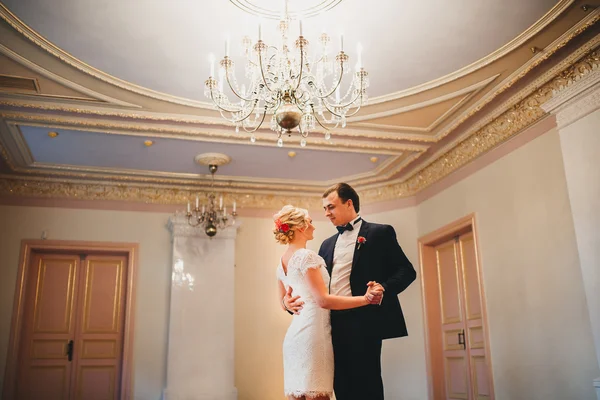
(237,129)
(327,135)
(303,142)
(253,138)
(280,142)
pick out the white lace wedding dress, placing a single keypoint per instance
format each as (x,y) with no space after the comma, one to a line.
(307,349)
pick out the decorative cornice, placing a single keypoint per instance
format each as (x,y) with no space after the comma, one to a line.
(514,44)
(578,109)
(179,227)
(67,58)
(508,124)
(577,98)
(525,113)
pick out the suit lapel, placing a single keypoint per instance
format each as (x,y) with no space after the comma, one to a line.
(329,253)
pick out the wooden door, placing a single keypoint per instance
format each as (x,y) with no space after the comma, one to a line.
(73,328)
(456,369)
(458,355)
(475,337)
(48,326)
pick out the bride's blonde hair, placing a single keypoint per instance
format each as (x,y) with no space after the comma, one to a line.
(288,220)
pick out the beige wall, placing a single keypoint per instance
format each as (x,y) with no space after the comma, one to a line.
(154,270)
(541,340)
(580,143)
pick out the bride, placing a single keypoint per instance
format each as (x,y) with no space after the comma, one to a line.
(307,348)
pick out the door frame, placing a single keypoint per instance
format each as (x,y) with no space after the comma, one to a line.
(426,256)
(28,246)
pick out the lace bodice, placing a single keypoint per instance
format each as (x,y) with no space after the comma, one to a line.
(298,264)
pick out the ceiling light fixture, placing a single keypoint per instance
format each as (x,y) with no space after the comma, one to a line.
(288,85)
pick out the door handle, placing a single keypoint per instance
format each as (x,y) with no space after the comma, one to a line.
(461,339)
(70,350)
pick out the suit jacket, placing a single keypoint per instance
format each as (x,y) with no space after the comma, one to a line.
(379,259)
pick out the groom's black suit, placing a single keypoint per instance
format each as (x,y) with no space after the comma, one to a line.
(357,333)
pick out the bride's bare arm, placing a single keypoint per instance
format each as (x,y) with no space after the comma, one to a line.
(325,300)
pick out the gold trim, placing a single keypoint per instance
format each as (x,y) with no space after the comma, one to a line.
(514,44)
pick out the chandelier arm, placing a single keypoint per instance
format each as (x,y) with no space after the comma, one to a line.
(355,112)
(231,87)
(301,65)
(259,125)
(212,97)
(319,122)
(262,72)
(340,106)
(335,87)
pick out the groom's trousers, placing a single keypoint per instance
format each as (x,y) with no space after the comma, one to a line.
(357,356)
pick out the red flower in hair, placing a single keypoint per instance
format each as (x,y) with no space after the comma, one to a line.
(282,227)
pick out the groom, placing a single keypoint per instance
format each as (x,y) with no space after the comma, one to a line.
(360,253)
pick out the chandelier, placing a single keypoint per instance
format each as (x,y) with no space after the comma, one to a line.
(209,216)
(295,90)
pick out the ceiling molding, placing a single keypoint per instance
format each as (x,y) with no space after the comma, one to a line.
(60,80)
(511,122)
(514,44)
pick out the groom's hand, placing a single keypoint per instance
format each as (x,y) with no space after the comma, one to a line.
(292,303)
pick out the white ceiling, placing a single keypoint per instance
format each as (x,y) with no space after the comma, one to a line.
(164,45)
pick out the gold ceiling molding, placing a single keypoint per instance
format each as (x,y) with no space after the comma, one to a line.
(60,80)
(376,132)
(199,134)
(541,80)
(140,193)
(469,90)
(511,122)
(514,44)
(22,162)
(590,20)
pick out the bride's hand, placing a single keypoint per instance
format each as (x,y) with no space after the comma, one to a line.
(374,293)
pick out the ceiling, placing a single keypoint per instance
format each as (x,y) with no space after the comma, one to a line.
(164,46)
(449,81)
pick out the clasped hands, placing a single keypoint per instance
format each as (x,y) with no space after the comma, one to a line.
(374,295)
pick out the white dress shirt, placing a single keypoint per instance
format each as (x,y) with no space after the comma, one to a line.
(343,254)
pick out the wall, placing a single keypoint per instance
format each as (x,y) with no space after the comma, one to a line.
(539,320)
(580,143)
(540,332)
(152,303)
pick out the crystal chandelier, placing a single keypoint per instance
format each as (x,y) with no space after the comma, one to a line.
(209,216)
(288,86)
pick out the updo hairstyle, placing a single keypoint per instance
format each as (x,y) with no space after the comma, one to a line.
(288,220)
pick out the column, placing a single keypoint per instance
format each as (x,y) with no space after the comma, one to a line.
(200,363)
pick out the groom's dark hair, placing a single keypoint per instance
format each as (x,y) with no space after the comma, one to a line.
(345,192)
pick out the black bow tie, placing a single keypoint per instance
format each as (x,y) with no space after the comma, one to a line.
(347,227)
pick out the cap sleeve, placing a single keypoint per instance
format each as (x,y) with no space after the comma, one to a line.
(311,259)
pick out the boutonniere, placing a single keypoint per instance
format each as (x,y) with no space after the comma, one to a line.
(360,241)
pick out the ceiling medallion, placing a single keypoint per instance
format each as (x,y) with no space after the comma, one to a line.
(309,8)
(288,85)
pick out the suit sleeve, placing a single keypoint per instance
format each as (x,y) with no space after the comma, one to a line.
(398,268)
